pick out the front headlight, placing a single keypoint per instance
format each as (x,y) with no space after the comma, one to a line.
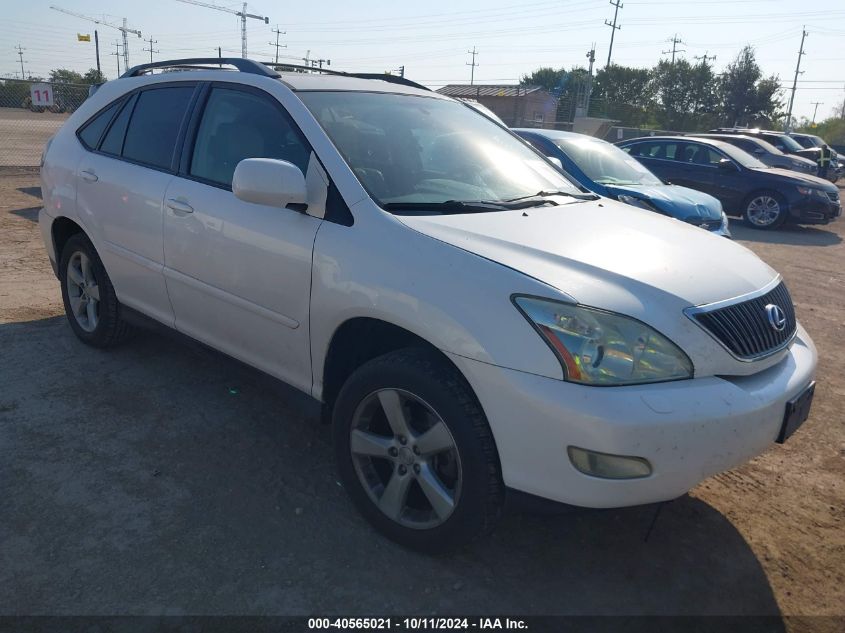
(602,348)
(636,202)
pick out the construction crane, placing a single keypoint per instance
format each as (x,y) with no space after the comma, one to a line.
(123,29)
(243,15)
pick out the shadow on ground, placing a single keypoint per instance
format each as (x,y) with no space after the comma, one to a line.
(789,234)
(164,478)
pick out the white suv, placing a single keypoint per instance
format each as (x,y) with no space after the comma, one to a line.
(474,323)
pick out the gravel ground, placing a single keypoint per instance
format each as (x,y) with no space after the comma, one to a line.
(24,134)
(164,478)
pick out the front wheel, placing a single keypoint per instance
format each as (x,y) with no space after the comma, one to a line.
(415,452)
(765,210)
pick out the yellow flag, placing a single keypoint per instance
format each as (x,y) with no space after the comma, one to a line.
(83,38)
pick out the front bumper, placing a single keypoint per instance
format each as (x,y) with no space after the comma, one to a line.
(814,210)
(688,430)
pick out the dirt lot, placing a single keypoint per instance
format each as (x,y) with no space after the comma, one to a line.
(162,478)
(24,134)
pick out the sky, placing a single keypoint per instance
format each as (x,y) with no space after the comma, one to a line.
(432,39)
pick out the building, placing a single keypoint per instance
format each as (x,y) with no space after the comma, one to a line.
(517,106)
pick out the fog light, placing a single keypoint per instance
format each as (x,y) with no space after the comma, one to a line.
(608,466)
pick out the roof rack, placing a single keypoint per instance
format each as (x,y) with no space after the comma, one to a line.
(253,67)
(201,63)
(391,79)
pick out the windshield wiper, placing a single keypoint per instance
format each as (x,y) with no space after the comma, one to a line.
(546,194)
(467,206)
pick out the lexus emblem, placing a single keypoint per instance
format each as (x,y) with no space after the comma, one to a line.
(776,316)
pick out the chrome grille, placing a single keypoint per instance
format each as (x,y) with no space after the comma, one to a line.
(744,327)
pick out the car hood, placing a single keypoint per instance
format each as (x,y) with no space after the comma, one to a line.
(679,202)
(798,178)
(607,254)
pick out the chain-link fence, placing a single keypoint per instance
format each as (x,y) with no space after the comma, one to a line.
(30,113)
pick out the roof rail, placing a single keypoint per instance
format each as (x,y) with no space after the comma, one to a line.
(199,63)
(391,79)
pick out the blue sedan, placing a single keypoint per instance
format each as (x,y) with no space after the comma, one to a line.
(608,171)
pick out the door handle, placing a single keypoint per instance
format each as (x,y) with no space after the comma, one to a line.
(178,207)
(88,175)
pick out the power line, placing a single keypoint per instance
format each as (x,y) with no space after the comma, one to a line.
(816,108)
(473,64)
(801,53)
(613,28)
(117,54)
(705,57)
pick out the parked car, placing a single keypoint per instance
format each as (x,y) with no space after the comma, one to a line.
(765,152)
(765,197)
(836,169)
(608,171)
(473,323)
(780,140)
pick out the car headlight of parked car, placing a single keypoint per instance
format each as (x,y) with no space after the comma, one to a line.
(596,347)
(636,202)
(812,191)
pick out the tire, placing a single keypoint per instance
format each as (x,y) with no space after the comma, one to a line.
(99,325)
(765,210)
(428,392)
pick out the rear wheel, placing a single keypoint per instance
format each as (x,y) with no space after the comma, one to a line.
(90,302)
(415,453)
(765,210)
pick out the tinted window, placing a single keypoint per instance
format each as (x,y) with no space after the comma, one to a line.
(93,130)
(237,125)
(655,150)
(113,143)
(698,154)
(151,137)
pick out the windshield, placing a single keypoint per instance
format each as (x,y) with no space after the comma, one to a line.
(741,156)
(605,163)
(408,149)
(790,143)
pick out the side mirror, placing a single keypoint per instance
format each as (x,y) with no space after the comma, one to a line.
(727,165)
(268,181)
(556,161)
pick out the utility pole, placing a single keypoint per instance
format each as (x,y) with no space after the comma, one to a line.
(152,41)
(591,55)
(675,41)
(843,109)
(277,45)
(400,70)
(97,50)
(705,57)
(816,109)
(473,52)
(117,56)
(801,53)
(618,4)
(20,54)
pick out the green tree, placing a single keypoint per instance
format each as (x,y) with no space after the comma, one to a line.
(683,94)
(93,76)
(65,76)
(624,93)
(745,96)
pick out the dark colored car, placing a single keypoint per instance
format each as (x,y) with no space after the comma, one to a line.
(781,140)
(765,197)
(606,170)
(766,153)
(836,169)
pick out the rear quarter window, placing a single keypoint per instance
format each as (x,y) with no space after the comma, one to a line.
(91,132)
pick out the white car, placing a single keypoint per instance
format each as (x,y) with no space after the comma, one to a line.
(474,323)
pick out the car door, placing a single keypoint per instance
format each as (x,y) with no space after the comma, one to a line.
(239,274)
(659,157)
(120,189)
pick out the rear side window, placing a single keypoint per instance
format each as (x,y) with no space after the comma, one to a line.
(113,142)
(237,125)
(92,131)
(151,135)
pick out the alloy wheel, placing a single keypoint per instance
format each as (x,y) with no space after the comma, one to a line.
(83,291)
(763,211)
(406,458)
